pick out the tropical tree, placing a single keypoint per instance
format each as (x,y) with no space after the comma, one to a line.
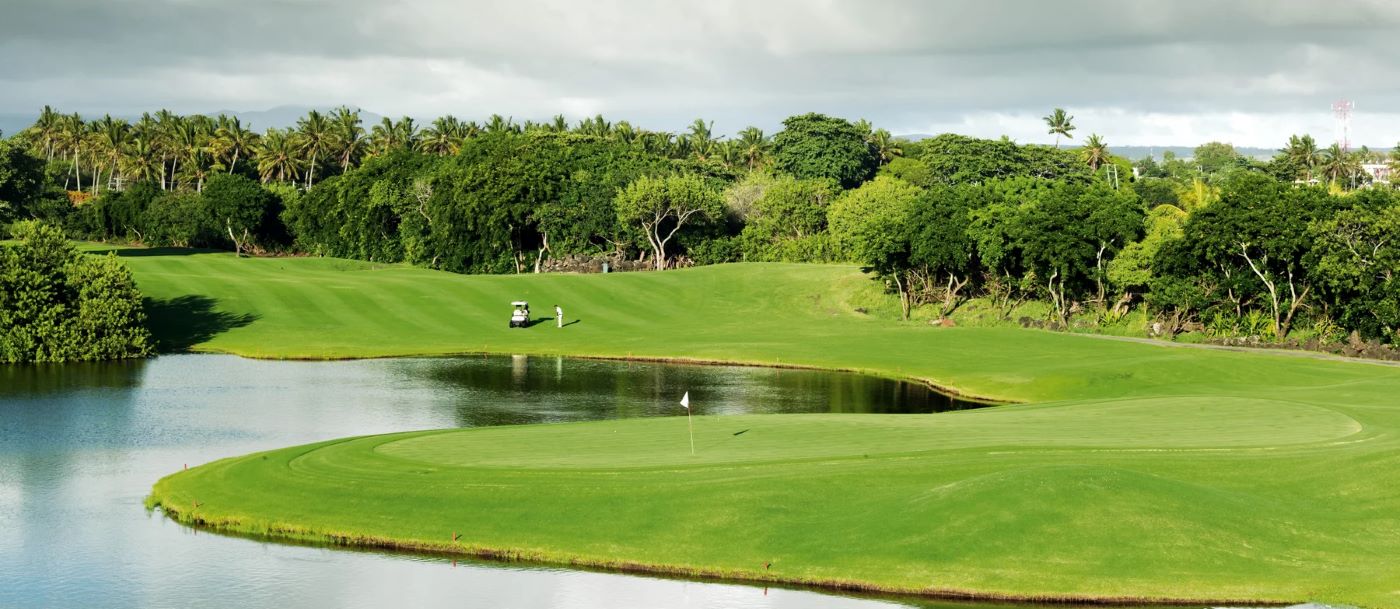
(233,141)
(872,224)
(185,142)
(278,156)
(71,140)
(142,161)
(1061,124)
(559,124)
(390,135)
(595,126)
(703,143)
(1303,156)
(820,146)
(884,146)
(754,147)
(443,138)
(1095,151)
(661,207)
(46,131)
(1338,165)
(113,135)
(501,124)
(315,139)
(349,137)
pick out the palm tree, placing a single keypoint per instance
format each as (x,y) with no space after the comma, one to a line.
(443,138)
(278,156)
(559,124)
(167,122)
(701,139)
(1395,163)
(233,140)
(1095,151)
(596,126)
(46,131)
(185,143)
(754,147)
(624,132)
(71,129)
(885,147)
(1060,123)
(315,139)
(350,135)
(142,161)
(471,129)
(383,137)
(731,153)
(197,165)
(865,128)
(113,134)
(1338,164)
(500,124)
(1304,154)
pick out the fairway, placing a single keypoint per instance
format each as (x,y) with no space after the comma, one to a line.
(1132,472)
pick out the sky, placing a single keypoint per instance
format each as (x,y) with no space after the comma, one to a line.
(1169,72)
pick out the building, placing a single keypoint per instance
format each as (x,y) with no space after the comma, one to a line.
(1379,173)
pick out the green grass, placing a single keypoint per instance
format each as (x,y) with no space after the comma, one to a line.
(1136,472)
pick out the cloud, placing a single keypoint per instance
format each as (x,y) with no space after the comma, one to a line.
(1139,73)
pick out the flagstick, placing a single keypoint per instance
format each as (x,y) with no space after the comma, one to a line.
(685,401)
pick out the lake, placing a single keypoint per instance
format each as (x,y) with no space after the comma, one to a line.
(81,445)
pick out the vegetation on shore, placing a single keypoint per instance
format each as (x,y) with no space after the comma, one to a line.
(1137,472)
(1223,247)
(58,305)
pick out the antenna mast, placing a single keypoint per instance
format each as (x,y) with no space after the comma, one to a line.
(1342,110)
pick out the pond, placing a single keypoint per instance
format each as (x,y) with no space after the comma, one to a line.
(80,446)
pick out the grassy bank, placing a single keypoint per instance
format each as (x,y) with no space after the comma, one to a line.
(1139,472)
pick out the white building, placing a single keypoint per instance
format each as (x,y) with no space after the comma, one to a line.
(1380,173)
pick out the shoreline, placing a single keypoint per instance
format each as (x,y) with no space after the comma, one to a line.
(940,388)
(297,534)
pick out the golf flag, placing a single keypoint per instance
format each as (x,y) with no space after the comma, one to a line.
(690,427)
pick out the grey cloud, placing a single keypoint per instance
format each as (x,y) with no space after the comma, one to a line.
(903,63)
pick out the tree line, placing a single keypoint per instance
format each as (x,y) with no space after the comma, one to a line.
(1218,244)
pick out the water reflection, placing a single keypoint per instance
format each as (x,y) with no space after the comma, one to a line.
(520,389)
(80,446)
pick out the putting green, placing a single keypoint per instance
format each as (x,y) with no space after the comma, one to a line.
(1132,472)
(1146,424)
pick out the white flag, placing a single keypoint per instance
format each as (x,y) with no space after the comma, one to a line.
(685,400)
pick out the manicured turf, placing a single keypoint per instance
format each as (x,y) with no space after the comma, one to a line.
(1139,472)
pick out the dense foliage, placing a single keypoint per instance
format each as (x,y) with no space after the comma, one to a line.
(1218,244)
(57,304)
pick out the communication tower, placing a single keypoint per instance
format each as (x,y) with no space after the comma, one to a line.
(1342,110)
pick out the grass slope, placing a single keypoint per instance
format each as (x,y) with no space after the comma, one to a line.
(1140,472)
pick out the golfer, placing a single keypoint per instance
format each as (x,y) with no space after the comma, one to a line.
(559,316)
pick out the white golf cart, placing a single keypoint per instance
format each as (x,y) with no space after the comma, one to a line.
(520,317)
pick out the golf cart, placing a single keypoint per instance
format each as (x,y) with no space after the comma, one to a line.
(520,318)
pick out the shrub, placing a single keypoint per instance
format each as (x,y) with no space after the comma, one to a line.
(57,304)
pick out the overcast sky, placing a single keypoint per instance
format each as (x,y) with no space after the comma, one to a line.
(1250,72)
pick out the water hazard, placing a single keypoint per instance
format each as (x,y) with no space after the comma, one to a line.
(80,446)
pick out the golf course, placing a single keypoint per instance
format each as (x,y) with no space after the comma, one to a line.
(1118,470)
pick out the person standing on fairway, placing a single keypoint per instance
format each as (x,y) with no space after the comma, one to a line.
(558,316)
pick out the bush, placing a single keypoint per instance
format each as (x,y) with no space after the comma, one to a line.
(717,251)
(57,304)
